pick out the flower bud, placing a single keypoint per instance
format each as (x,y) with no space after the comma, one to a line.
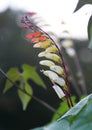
(58,91)
(47,63)
(43,44)
(52,49)
(54,77)
(57,69)
(41,54)
(53,57)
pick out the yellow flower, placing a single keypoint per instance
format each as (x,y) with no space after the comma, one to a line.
(43,44)
(52,48)
(51,56)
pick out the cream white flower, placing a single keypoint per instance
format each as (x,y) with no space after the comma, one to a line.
(57,69)
(60,81)
(50,74)
(47,63)
(58,91)
(53,57)
(54,77)
(41,54)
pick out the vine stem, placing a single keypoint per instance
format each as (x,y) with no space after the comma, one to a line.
(34,97)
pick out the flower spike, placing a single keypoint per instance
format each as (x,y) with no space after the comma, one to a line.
(54,59)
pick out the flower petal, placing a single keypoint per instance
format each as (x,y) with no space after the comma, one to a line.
(42,38)
(52,49)
(52,75)
(31,35)
(53,57)
(60,81)
(34,40)
(47,63)
(57,69)
(58,91)
(37,34)
(43,44)
(41,54)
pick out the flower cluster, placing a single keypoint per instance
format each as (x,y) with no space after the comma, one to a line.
(54,61)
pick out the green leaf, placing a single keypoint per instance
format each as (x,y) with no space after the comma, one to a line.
(29,72)
(14,75)
(63,108)
(82,3)
(77,118)
(25,99)
(90,32)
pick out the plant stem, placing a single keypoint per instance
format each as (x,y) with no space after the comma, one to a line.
(34,97)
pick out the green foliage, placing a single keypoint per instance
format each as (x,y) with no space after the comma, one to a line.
(82,3)
(77,118)
(63,108)
(24,97)
(29,72)
(90,33)
(14,75)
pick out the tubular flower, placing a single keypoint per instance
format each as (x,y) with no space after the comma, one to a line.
(52,48)
(58,69)
(54,60)
(47,63)
(54,78)
(58,91)
(43,44)
(51,56)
